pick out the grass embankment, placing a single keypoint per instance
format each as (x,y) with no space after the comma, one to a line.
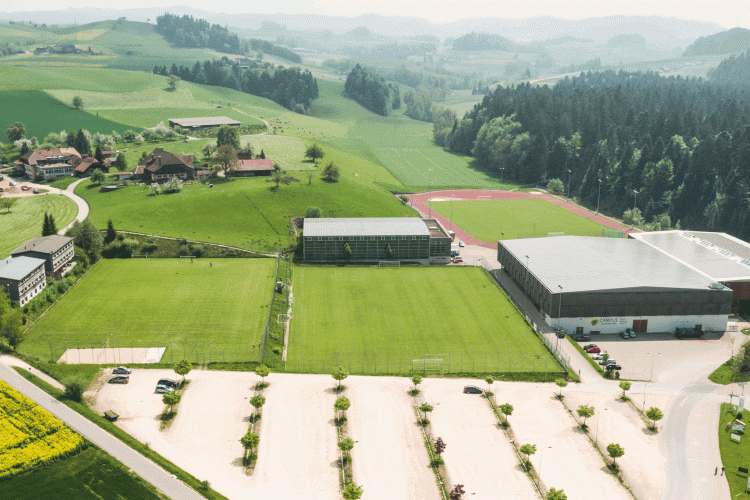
(123,436)
(491,220)
(585,355)
(189,308)
(246,213)
(24,221)
(725,375)
(379,320)
(733,454)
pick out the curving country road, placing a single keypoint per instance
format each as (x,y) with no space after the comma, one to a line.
(145,468)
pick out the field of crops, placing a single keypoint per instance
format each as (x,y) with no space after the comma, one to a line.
(24,221)
(31,436)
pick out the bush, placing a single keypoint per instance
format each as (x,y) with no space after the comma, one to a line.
(74,389)
(555,186)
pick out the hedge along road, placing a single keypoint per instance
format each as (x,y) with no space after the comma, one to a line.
(145,468)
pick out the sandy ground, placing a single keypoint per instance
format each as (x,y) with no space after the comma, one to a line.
(101,356)
(615,421)
(538,418)
(478,454)
(389,458)
(296,431)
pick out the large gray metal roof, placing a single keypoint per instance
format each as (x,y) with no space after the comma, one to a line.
(366,226)
(44,244)
(717,255)
(204,121)
(17,268)
(581,264)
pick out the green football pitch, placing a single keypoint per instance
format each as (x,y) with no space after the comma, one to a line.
(215,309)
(492,220)
(394,320)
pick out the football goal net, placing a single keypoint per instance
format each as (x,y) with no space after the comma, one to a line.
(282,318)
(555,234)
(389,263)
(185,258)
(612,233)
(433,363)
(140,255)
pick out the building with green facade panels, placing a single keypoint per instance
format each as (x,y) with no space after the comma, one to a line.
(362,240)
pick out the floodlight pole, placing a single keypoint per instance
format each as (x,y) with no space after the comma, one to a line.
(569,171)
(599,197)
(635,204)
(501,174)
(429,201)
(452,196)
(559,307)
(535,227)
(541,455)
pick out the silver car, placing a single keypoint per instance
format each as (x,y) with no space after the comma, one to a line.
(163,388)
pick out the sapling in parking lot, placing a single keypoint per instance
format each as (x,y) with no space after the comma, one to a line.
(257,401)
(183,368)
(341,405)
(425,408)
(561,382)
(654,414)
(507,410)
(528,450)
(625,386)
(416,380)
(585,412)
(262,372)
(339,373)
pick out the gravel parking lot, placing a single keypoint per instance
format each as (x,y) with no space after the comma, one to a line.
(477,454)
(389,460)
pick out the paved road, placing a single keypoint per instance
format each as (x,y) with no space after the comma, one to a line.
(145,468)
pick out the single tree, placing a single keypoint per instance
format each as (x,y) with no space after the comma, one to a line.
(7,203)
(228,136)
(183,368)
(11,328)
(45,225)
(111,234)
(416,380)
(172,83)
(277,176)
(625,386)
(346,445)
(120,162)
(52,225)
(331,173)
(347,251)
(585,412)
(561,382)
(313,152)
(16,131)
(426,408)
(225,157)
(457,493)
(489,381)
(507,410)
(404,199)
(89,238)
(528,450)
(249,441)
(74,388)
(98,155)
(654,414)
(439,446)
(313,213)
(339,373)
(170,399)
(341,405)
(352,492)
(554,494)
(257,401)
(77,102)
(262,155)
(82,143)
(262,372)
(555,186)
(615,451)
(97,177)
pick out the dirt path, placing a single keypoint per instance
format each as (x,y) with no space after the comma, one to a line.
(269,127)
(389,459)
(11,361)
(478,454)
(419,202)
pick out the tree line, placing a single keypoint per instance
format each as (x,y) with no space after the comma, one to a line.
(289,87)
(371,91)
(676,149)
(274,50)
(732,70)
(197,33)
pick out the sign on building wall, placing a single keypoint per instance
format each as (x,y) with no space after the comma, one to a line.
(609,321)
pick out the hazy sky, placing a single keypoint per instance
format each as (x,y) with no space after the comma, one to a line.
(728,13)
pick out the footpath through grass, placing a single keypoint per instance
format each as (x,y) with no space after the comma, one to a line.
(24,221)
(734,454)
(379,320)
(215,309)
(491,220)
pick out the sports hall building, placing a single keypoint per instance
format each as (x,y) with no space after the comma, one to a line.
(605,285)
(372,240)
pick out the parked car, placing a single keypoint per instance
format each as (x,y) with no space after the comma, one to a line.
(608,362)
(631,333)
(458,260)
(461,244)
(36,191)
(119,379)
(122,369)
(611,362)
(588,346)
(163,388)
(593,350)
(598,356)
(11,183)
(472,389)
(613,367)
(560,335)
(168,382)
(582,338)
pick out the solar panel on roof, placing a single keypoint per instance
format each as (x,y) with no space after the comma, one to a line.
(745,261)
(727,253)
(705,243)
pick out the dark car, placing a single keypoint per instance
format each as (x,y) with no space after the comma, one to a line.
(168,382)
(624,335)
(560,335)
(122,369)
(119,379)
(472,389)
(613,367)
(582,338)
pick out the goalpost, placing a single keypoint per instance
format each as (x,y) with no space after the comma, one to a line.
(140,255)
(555,234)
(432,363)
(282,318)
(389,263)
(191,257)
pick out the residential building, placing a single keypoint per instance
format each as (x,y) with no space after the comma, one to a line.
(47,163)
(87,167)
(22,278)
(161,165)
(56,251)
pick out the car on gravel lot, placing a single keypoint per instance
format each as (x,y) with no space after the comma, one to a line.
(472,389)
(168,382)
(122,369)
(461,244)
(560,335)
(458,260)
(593,350)
(597,357)
(588,345)
(609,362)
(119,379)
(613,366)
(582,338)
(160,389)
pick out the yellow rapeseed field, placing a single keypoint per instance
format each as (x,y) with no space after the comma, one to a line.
(30,435)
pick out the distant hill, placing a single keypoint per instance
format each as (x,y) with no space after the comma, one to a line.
(726,42)
(734,70)
(487,41)
(625,41)
(563,40)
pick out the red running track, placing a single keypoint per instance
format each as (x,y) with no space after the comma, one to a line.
(418,202)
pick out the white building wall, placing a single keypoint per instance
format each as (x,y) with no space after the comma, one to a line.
(656,324)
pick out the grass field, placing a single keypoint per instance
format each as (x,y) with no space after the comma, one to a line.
(91,474)
(25,219)
(491,220)
(245,213)
(733,454)
(378,320)
(155,302)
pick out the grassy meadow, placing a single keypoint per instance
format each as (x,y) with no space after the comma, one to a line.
(375,320)
(157,302)
(24,221)
(491,220)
